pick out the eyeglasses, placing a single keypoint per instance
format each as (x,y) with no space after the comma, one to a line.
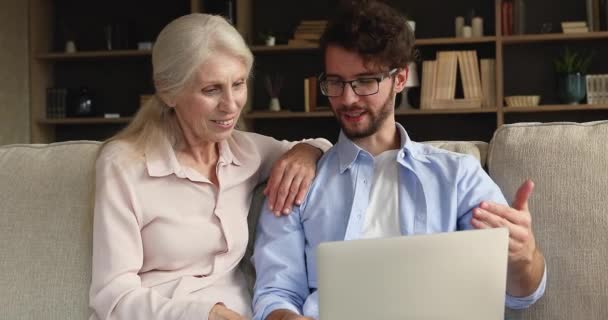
(362,87)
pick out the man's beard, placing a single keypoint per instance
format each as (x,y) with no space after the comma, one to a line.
(376,120)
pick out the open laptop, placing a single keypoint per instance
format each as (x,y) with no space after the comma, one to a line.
(455,275)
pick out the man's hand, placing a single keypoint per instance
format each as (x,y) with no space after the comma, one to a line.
(291,177)
(284,314)
(526,263)
(221,312)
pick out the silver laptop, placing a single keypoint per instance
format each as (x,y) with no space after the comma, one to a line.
(455,275)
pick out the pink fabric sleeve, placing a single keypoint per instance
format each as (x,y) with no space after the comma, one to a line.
(116,291)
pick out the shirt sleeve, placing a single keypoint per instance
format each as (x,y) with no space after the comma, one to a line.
(475,186)
(271,150)
(279,259)
(116,291)
(524,302)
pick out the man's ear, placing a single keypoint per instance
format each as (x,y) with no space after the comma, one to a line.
(401,79)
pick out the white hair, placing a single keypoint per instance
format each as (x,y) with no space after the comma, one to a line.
(180,49)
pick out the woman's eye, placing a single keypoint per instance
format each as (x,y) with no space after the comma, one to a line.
(238,84)
(211,91)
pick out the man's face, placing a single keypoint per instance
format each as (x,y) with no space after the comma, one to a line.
(360,116)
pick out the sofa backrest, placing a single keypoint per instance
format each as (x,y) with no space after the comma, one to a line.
(46,194)
(568,163)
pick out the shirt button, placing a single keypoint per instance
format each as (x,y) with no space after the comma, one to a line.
(364,181)
(402,154)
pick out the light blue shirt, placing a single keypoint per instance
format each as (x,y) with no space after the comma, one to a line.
(437,192)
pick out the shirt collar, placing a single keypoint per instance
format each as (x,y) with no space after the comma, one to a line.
(226,153)
(348,150)
(161,159)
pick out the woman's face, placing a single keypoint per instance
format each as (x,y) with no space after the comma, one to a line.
(209,106)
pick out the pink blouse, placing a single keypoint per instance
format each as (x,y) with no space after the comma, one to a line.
(166,241)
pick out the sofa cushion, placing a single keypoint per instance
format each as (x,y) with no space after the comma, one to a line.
(567,162)
(46,194)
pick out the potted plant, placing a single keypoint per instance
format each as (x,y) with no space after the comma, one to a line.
(571,68)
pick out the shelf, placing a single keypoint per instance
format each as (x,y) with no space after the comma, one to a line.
(419,42)
(75,121)
(553,37)
(287,114)
(557,107)
(283,48)
(444,111)
(398,112)
(452,40)
(93,54)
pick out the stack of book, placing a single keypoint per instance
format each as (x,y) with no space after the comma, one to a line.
(308,32)
(439,79)
(574,27)
(597,88)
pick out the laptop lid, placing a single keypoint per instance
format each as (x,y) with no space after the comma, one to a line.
(455,275)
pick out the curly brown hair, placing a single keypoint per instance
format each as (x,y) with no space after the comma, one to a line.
(373,29)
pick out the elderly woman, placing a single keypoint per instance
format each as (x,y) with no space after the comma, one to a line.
(173,189)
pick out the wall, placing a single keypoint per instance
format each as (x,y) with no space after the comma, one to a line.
(14,72)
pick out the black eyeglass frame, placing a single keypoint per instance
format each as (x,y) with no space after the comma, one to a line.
(323,83)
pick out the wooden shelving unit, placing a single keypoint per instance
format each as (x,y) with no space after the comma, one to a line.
(49,68)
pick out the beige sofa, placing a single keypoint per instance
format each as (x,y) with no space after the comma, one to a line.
(46,216)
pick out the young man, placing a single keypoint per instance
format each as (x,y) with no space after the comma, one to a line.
(376,182)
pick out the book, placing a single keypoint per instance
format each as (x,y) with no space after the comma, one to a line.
(573,24)
(474,81)
(506,30)
(301,42)
(519,17)
(445,86)
(427,89)
(310,94)
(488,82)
(307,36)
(596,16)
(306,95)
(589,8)
(576,30)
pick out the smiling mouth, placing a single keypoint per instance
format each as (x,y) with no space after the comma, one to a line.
(224,122)
(353,115)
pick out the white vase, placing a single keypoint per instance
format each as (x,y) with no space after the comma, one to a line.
(270,41)
(70,46)
(274,105)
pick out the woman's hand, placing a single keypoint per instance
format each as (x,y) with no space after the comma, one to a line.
(221,312)
(291,177)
